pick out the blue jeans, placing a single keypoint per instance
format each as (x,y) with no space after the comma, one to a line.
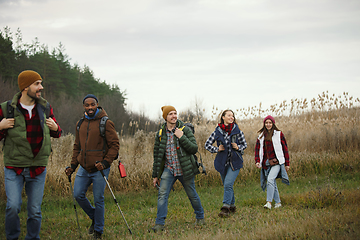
(228,180)
(34,188)
(83,180)
(167,181)
(272,190)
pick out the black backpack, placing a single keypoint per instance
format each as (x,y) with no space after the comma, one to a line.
(102,128)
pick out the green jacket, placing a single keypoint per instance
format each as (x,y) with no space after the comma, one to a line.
(185,152)
(17,149)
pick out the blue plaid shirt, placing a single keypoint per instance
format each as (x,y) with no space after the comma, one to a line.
(172,162)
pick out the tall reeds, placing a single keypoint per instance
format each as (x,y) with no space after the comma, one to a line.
(323,135)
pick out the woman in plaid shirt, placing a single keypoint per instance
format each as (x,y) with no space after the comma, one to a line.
(271,144)
(230,147)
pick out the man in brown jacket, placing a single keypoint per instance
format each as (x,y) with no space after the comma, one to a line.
(89,148)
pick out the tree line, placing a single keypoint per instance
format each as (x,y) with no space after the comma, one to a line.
(65,84)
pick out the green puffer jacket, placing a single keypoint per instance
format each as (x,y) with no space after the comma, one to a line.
(188,147)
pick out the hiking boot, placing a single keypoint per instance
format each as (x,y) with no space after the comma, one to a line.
(91,228)
(232,209)
(225,212)
(200,222)
(157,228)
(277,205)
(97,235)
(267,205)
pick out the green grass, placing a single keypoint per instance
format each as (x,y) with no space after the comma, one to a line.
(316,207)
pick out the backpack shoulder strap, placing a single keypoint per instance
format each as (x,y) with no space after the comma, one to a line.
(160,133)
(79,124)
(47,110)
(9,110)
(102,126)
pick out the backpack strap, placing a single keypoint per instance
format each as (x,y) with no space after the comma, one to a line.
(10,110)
(47,110)
(78,127)
(102,126)
(6,113)
(79,124)
(160,133)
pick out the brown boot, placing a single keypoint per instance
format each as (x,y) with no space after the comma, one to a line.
(232,209)
(225,212)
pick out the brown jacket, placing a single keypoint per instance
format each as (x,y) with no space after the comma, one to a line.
(88,145)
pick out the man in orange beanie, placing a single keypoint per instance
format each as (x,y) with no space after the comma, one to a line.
(174,147)
(26,123)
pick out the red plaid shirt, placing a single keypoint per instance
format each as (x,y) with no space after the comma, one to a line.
(172,162)
(34,134)
(271,151)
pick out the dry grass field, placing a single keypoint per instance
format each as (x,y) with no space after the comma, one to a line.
(314,133)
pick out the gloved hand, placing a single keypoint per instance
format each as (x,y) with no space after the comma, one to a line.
(69,171)
(99,166)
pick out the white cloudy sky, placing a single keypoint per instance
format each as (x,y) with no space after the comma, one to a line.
(225,53)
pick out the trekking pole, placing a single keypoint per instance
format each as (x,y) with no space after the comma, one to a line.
(107,183)
(72,193)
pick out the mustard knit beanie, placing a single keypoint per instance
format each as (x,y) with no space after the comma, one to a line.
(26,78)
(166,110)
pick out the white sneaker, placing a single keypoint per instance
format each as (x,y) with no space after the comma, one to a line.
(267,205)
(277,205)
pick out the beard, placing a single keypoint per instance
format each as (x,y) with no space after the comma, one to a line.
(32,94)
(91,114)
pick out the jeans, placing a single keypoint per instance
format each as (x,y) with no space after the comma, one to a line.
(167,181)
(272,190)
(83,180)
(34,188)
(228,180)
